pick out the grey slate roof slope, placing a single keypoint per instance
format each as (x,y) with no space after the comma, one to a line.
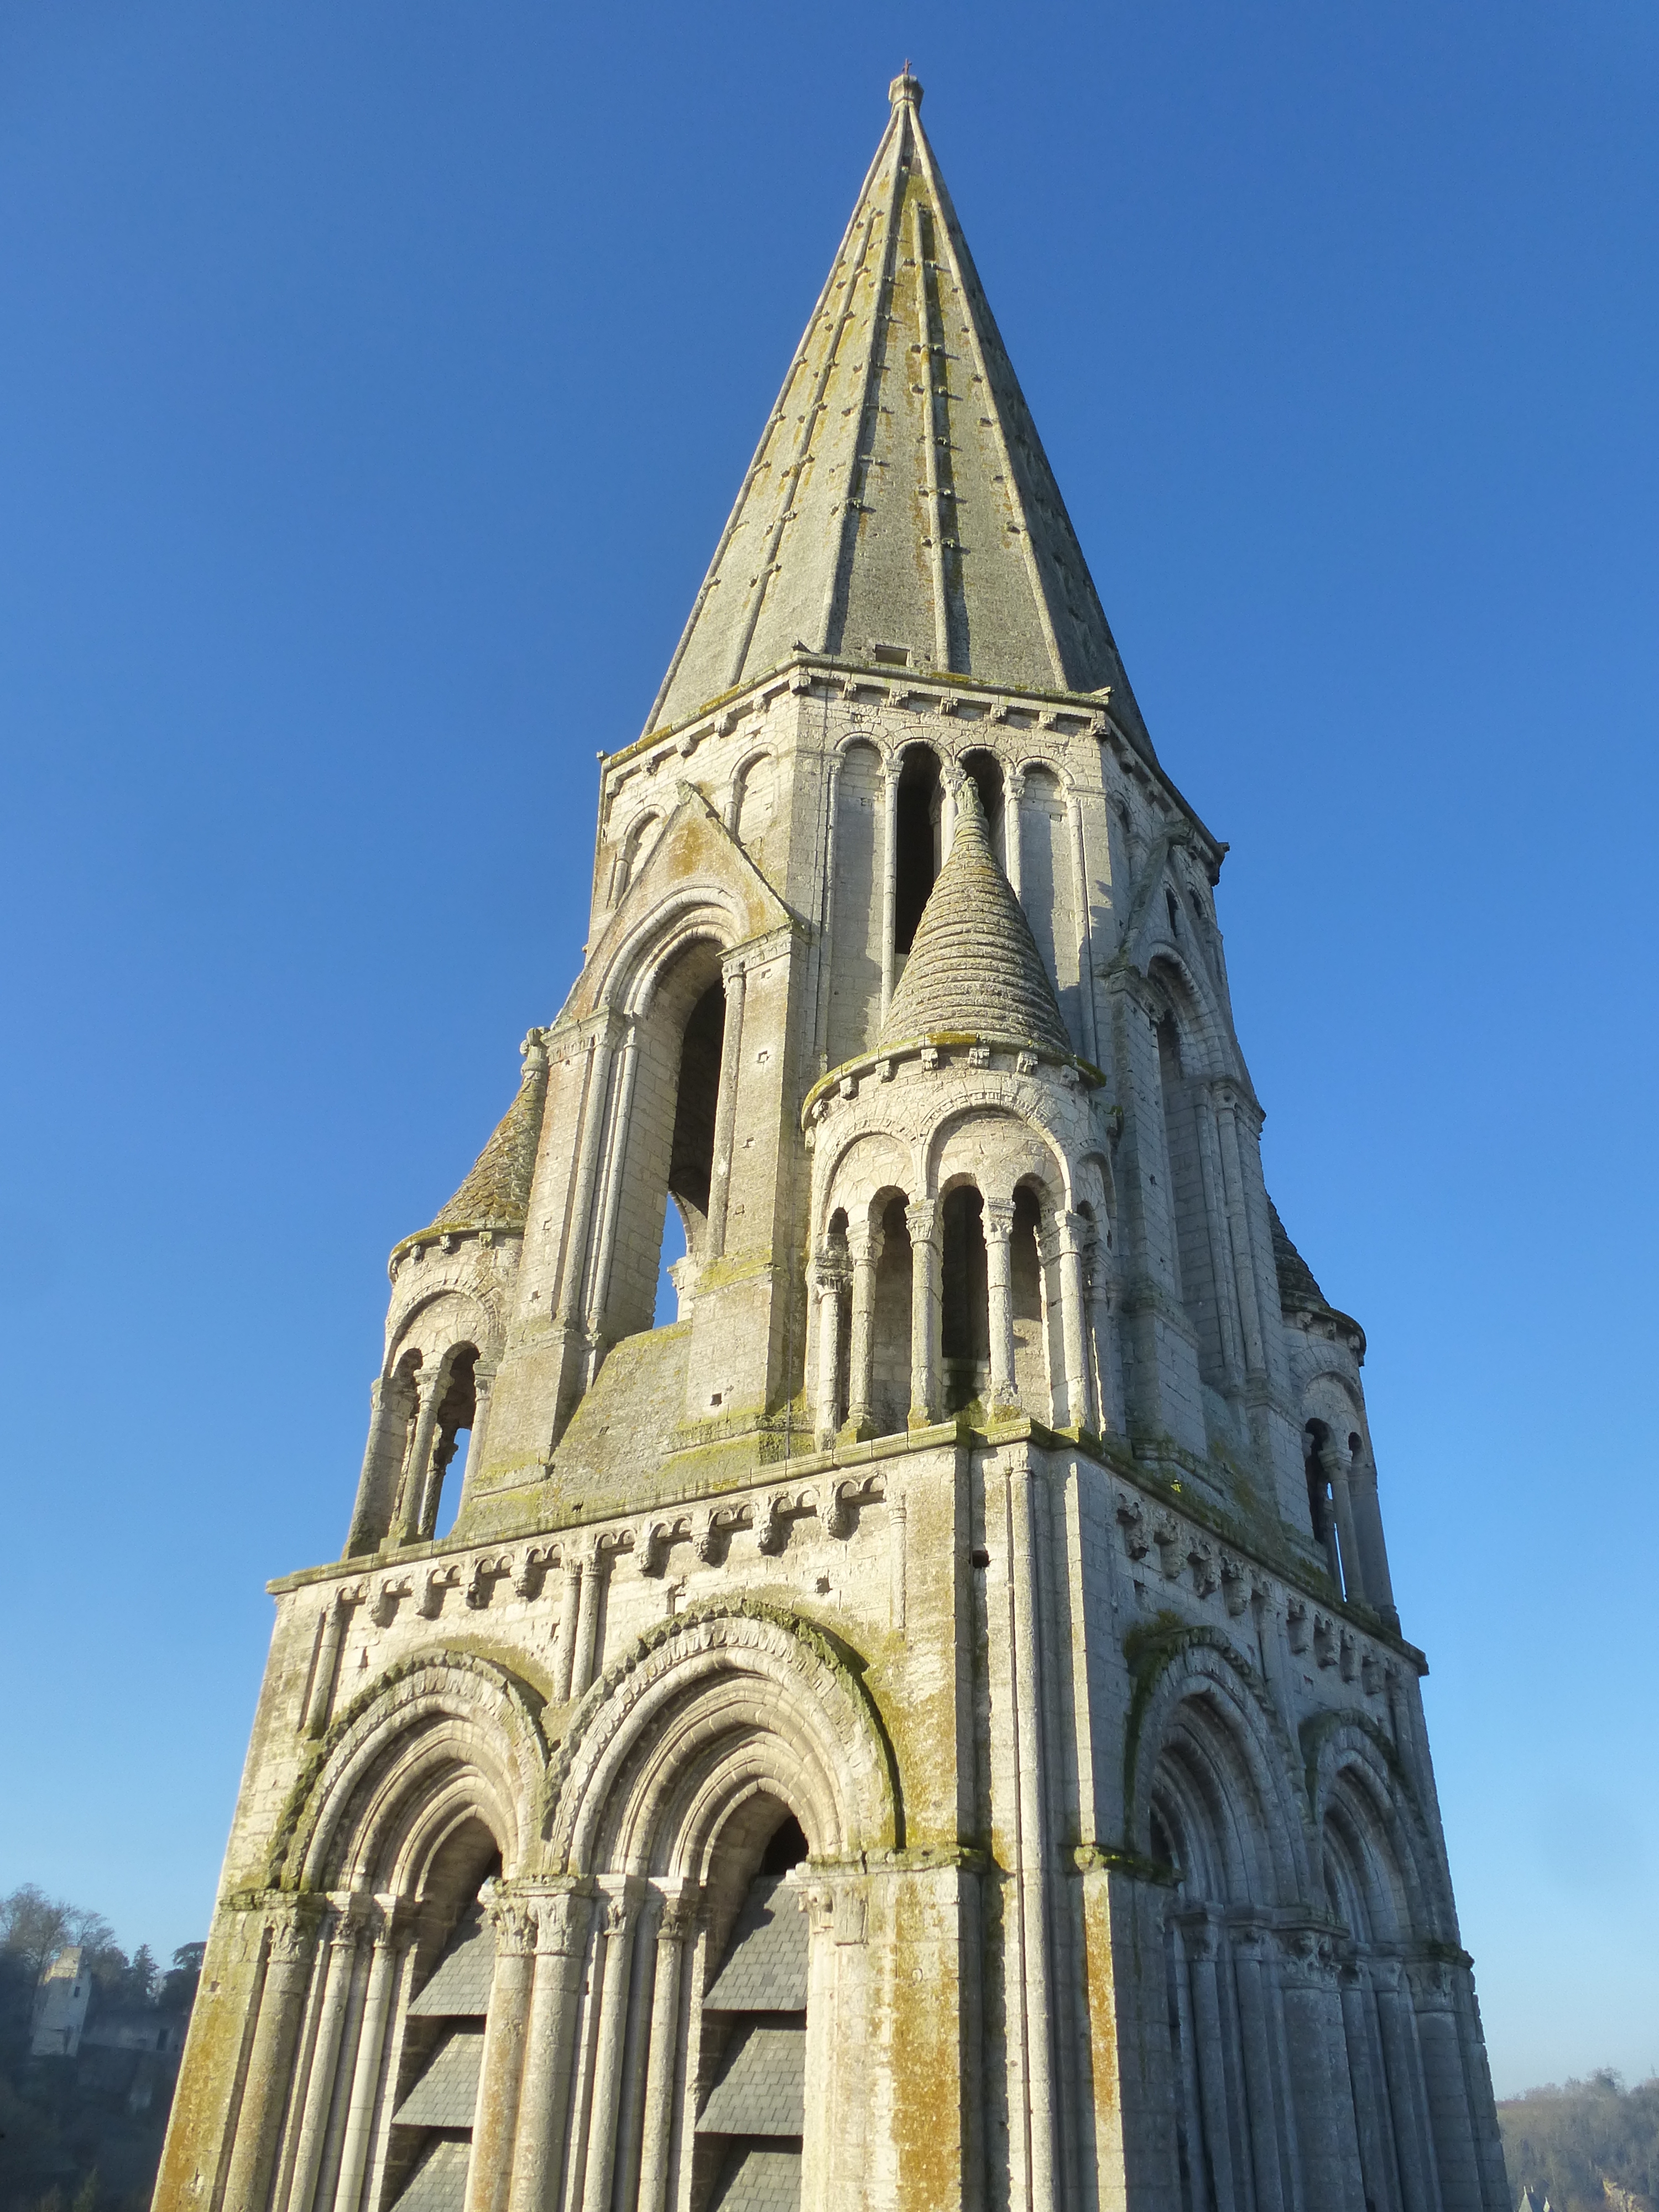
(1298,1291)
(762,2090)
(446,2094)
(440,2180)
(765,1969)
(760,2179)
(496,1192)
(900,494)
(460,1983)
(974,967)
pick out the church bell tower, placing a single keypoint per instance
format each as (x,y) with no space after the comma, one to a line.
(928,1726)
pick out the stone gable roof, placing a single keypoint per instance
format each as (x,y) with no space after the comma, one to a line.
(974,967)
(900,508)
(497,1194)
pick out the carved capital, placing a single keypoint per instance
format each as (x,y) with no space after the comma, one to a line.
(922,1219)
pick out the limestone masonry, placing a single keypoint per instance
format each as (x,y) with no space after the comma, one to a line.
(929,1726)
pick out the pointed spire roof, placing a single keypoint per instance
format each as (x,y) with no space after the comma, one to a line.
(900,497)
(497,1194)
(974,967)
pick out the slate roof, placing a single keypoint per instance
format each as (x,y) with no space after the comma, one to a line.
(439,2182)
(762,2090)
(446,2094)
(760,2178)
(1298,1291)
(900,494)
(974,967)
(461,1983)
(765,1969)
(497,1194)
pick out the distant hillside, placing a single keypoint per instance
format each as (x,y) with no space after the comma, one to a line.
(83,2133)
(1588,2146)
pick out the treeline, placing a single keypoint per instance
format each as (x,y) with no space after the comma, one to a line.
(1586,2146)
(69,2141)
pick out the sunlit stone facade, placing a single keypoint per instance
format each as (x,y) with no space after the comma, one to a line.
(929,1726)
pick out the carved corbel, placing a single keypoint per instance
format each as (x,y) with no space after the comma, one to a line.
(1132,1519)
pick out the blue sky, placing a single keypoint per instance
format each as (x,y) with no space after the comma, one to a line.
(374,382)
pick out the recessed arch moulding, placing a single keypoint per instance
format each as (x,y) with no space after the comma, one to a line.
(925,1723)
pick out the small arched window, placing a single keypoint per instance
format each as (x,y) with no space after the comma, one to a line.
(917,849)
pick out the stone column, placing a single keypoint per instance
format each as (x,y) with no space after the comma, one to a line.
(1013,791)
(1201,1947)
(1336,1459)
(1322,2094)
(411,1496)
(292,1948)
(950,784)
(1069,1231)
(390,1941)
(595,1571)
(1031,1783)
(483,1382)
(609,1204)
(501,2069)
(1408,2102)
(1100,1292)
(1371,1549)
(621,1913)
(563,1919)
(830,1287)
(998,1218)
(319,1698)
(1238,1230)
(1255,2037)
(677,1924)
(372,1516)
(826,920)
(1084,948)
(573,1275)
(340,1970)
(1369,2101)
(1450,2123)
(570,1605)
(725,1106)
(923,1223)
(864,1244)
(889,784)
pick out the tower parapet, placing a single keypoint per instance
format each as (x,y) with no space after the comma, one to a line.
(929,1724)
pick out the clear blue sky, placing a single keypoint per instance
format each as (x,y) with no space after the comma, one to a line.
(374,382)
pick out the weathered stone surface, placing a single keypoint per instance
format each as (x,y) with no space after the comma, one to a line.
(981,1585)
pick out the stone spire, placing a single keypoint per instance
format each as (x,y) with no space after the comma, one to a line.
(496,1192)
(974,967)
(900,502)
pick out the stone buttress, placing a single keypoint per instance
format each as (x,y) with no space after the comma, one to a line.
(928,1724)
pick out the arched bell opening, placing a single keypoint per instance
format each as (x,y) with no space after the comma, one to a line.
(984,770)
(889,1359)
(965,1316)
(918,851)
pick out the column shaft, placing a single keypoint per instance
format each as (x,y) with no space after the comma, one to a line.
(561,1945)
(324,2060)
(922,1221)
(865,1246)
(607,2072)
(726,1108)
(998,1272)
(889,882)
(366,2072)
(270,2062)
(663,2059)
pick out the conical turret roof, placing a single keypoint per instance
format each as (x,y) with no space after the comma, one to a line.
(900,497)
(974,967)
(496,1192)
